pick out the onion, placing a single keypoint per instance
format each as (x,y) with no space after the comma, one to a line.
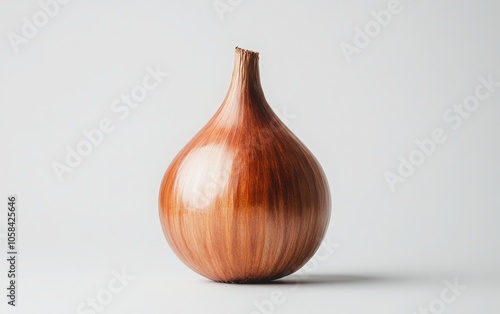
(244,200)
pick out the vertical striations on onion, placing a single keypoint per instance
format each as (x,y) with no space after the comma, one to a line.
(244,200)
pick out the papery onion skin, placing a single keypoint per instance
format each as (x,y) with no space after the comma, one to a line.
(244,201)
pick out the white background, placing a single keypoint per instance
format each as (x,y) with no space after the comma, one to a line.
(395,248)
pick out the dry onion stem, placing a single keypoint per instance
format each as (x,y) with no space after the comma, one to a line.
(244,200)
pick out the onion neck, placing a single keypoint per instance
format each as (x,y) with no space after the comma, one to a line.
(245,100)
(246,71)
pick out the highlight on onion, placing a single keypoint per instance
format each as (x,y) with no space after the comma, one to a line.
(244,201)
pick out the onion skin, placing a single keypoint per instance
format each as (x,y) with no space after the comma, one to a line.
(244,201)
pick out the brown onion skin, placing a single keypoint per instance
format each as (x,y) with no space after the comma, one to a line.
(244,201)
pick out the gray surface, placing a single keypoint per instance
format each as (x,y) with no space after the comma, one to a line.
(395,249)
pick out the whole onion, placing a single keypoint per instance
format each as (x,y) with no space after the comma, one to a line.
(244,200)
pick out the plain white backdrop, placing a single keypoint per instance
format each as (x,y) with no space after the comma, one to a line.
(357,114)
